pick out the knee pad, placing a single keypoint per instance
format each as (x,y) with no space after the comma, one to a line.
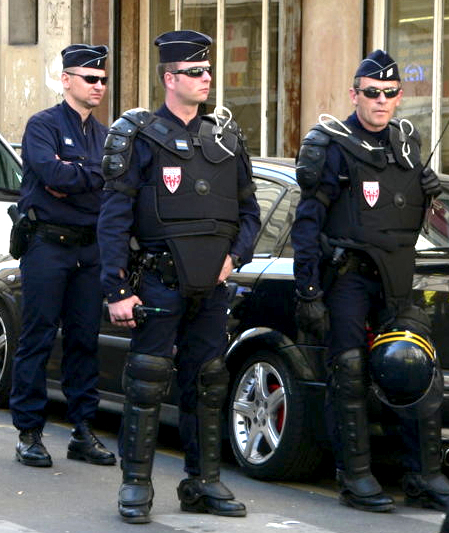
(213,379)
(146,378)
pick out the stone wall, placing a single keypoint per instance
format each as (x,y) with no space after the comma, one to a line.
(29,73)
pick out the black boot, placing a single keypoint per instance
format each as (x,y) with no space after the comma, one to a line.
(358,487)
(430,492)
(428,488)
(135,499)
(145,380)
(210,497)
(85,446)
(206,493)
(30,450)
(364,493)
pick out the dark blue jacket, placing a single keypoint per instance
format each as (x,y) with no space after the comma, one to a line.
(59,153)
(116,217)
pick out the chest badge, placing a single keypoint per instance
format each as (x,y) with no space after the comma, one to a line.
(171,177)
(181,144)
(68,141)
(371,192)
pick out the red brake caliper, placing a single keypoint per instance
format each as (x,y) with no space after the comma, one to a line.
(280,418)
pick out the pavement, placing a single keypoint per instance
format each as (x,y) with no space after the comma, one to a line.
(76,497)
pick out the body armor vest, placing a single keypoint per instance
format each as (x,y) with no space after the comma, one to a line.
(191,200)
(189,187)
(381,208)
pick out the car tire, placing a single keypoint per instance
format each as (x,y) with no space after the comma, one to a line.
(8,345)
(268,427)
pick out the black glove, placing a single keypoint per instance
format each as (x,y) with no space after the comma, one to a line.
(430,183)
(312,317)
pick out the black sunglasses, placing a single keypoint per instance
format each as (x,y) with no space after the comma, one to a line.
(374,92)
(91,80)
(193,72)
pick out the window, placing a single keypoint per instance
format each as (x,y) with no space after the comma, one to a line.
(246,80)
(22,22)
(421,49)
(10,172)
(445,95)
(242,67)
(274,207)
(161,20)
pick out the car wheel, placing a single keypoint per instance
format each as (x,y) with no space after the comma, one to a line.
(8,344)
(267,421)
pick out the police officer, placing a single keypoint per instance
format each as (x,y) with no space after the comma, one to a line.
(62,149)
(364,193)
(179,190)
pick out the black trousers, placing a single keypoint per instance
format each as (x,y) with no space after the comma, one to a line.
(350,301)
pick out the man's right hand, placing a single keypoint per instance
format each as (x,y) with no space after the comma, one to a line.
(121,312)
(312,317)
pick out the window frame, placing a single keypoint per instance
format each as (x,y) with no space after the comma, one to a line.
(381,26)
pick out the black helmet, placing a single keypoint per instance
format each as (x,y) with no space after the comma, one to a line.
(405,373)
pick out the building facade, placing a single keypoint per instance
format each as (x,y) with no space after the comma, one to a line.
(278,64)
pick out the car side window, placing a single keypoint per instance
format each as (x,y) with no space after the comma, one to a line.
(10,171)
(274,206)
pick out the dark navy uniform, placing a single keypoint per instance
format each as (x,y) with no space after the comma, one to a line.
(61,267)
(183,193)
(363,204)
(205,336)
(199,334)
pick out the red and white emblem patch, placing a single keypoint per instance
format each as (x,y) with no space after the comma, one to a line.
(171,177)
(371,192)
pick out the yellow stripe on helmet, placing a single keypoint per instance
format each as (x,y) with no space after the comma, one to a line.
(407,336)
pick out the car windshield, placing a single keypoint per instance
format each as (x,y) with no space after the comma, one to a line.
(435,234)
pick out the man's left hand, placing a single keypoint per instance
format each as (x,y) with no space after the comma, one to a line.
(226,269)
(430,183)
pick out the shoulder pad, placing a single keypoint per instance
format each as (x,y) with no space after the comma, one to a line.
(169,135)
(227,135)
(414,135)
(118,144)
(233,127)
(138,116)
(317,136)
(405,136)
(131,120)
(311,158)
(353,143)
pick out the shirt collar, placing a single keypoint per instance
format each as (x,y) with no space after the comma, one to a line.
(164,112)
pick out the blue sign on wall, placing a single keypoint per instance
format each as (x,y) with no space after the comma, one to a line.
(413,72)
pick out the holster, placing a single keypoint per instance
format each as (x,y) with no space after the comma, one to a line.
(21,232)
(160,263)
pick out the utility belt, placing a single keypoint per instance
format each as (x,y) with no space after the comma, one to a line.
(66,235)
(160,263)
(361,263)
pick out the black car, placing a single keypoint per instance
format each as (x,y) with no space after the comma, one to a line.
(275,420)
